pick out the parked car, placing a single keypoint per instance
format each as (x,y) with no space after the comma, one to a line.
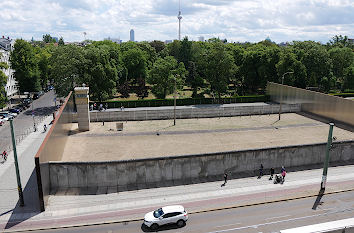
(166,215)
(15,110)
(6,116)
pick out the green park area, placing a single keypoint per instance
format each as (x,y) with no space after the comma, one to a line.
(154,70)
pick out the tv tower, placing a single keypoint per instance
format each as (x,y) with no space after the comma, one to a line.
(179,17)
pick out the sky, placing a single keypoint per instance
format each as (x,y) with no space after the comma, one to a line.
(235,20)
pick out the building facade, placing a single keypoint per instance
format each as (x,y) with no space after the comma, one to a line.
(132,35)
(6,46)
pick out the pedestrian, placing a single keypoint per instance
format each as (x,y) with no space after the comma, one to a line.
(4,155)
(225,179)
(94,106)
(283,174)
(106,106)
(101,107)
(122,108)
(260,171)
(91,107)
(271,173)
(282,169)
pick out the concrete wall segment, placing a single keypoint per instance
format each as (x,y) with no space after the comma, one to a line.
(188,169)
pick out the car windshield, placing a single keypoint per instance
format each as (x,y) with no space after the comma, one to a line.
(158,213)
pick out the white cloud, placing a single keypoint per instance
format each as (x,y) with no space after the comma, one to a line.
(237,20)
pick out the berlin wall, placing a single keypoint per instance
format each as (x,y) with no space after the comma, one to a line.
(189,169)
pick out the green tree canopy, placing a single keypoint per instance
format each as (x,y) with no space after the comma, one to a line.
(220,66)
(3,80)
(163,75)
(67,68)
(25,65)
(101,73)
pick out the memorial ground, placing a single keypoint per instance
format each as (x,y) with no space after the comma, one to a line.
(148,139)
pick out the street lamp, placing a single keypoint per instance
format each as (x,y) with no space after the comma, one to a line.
(174,102)
(282,83)
(34,122)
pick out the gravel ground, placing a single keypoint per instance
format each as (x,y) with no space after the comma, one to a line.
(146,139)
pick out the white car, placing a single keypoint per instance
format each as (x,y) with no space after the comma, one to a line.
(166,215)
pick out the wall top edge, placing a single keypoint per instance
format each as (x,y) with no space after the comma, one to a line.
(193,155)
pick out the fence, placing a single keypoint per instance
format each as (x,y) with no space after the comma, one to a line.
(187,112)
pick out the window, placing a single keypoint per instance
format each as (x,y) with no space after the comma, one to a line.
(158,213)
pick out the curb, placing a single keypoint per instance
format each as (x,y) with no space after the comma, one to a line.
(191,213)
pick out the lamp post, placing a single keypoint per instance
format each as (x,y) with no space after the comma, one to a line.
(174,103)
(19,187)
(282,83)
(34,122)
(325,165)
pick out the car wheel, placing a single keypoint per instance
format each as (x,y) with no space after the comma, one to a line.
(180,223)
(154,226)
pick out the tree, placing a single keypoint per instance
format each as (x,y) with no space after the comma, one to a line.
(341,58)
(288,62)
(349,77)
(316,59)
(157,45)
(61,41)
(48,39)
(101,73)
(135,62)
(3,80)
(25,64)
(185,53)
(193,79)
(220,67)
(42,56)
(67,68)
(163,75)
(340,41)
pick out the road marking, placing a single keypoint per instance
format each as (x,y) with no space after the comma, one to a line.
(228,225)
(280,221)
(278,217)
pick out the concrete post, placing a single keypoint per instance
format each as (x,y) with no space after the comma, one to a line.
(82,104)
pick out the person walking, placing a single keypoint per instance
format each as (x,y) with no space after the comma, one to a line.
(271,173)
(225,179)
(283,174)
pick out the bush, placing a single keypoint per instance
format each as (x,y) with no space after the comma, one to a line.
(187,101)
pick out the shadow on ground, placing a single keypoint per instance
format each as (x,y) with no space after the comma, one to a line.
(31,208)
(43,111)
(318,199)
(170,227)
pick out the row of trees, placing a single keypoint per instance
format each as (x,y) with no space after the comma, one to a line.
(3,80)
(214,67)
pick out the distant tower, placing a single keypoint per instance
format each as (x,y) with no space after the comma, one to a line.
(179,17)
(131,35)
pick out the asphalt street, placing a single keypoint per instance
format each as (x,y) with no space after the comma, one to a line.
(253,219)
(23,123)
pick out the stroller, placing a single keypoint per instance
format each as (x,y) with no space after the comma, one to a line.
(278,179)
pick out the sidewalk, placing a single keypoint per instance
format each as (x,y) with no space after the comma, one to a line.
(75,210)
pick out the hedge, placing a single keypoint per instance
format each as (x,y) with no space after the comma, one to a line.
(343,95)
(181,102)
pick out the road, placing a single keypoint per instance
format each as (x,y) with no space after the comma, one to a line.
(253,219)
(23,123)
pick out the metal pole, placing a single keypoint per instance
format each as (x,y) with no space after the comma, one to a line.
(174,109)
(325,165)
(34,123)
(282,83)
(19,187)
